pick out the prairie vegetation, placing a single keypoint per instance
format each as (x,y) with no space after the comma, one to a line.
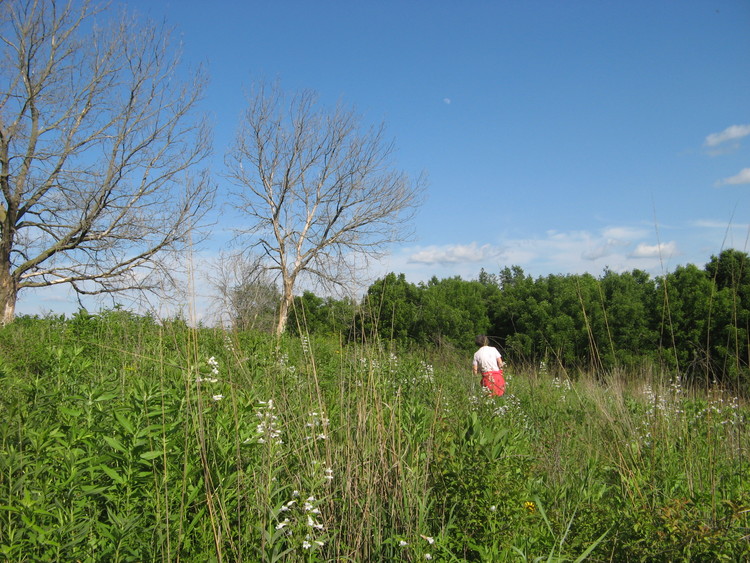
(123,439)
(356,433)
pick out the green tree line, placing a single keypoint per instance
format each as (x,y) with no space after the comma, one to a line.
(692,322)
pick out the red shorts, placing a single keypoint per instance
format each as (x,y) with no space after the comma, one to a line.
(494,382)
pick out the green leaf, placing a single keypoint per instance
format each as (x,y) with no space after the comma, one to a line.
(114,475)
(92,489)
(124,422)
(152,454)
(114,443)
(75,413)
(150,430)
(590,548)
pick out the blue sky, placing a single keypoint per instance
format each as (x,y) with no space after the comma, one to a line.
(562,137)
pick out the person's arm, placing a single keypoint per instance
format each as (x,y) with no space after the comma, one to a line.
(500,362)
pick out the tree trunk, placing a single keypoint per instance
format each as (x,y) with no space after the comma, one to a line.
(287,297)
(286,303)
(8,295)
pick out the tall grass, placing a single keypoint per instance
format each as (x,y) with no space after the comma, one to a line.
(126,440)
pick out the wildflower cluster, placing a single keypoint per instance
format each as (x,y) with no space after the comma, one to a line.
(267,430)
(675,387)
(228,344)
(475,400)
(287,367)
(393,363)
(427,372)
(213,365)
(668,404)
(665,407)
(563,384)
(317,426)
(369,364)
(302,519)
(512,408)
(403,543)
(725,412)
(211,377)
(409,376)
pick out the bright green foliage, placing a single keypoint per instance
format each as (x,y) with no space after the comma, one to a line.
(705,321)
(126,440)
(692,322)
(311,314)
(730,272)
(630,324)
(688,299)
(391,309)
(453,311)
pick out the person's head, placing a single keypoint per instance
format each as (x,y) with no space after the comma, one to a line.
(481,340)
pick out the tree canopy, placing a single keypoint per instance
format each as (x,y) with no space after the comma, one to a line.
(693,322)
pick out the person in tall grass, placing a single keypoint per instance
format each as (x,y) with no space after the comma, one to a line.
(489,362)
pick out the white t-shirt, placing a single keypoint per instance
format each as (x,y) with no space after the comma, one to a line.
(486,359)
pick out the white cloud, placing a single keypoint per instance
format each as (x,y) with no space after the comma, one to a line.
(709,224)
(454,254)
(742,178)
(731,133)
(624,234)
(447,101)
(617,248)
(722,225)
(660,250)
(613,238)
(597,252)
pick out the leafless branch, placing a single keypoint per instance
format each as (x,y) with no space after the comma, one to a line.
(318,189)
(98,150)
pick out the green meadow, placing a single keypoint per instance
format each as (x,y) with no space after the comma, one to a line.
(124,439)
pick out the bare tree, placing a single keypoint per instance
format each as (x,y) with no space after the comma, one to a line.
(246,293)
(318,189)
(97,149)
